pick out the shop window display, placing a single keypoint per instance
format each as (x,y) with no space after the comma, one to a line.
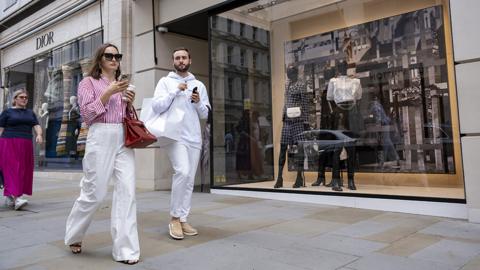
(361,91)
(403,101)
(53,85)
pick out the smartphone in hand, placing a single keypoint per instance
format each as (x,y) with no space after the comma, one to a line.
(124,77)
(194,91)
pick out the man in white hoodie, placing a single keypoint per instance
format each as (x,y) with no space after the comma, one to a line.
(184,153)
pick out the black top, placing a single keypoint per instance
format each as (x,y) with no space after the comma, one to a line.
(18,123)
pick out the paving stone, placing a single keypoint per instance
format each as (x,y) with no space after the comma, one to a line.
(457,229)
(18,241)
(36,253)
(363,229)
(449,252)
(236,200)
(346,215)
(88,259)
(214,255)
(240,225)
(304,227)
(411,244)
(262,264)
(342,244)
(392,235)
(388,262)
(473,264)
(311,258)
(264,239)
(259,211)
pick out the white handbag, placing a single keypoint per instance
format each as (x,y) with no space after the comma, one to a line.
(294,112)
(166,126)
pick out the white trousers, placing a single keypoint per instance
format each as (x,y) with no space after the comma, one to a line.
(184,161)
(106,156)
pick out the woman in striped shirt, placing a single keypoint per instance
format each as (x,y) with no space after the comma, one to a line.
(102,109)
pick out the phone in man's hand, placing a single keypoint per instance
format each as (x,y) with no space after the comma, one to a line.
(194,91)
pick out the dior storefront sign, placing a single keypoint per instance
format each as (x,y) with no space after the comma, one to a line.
(45,40)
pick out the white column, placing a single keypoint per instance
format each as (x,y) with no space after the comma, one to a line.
(465,19)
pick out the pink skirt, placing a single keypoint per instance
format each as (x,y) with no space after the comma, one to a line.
(16,164)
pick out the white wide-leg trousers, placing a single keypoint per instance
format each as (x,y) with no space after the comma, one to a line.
(184,161)
(106,156)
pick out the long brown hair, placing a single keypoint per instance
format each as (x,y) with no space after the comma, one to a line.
(96,68)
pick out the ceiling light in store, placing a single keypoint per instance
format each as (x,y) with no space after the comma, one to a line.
(276,2)
(266,5)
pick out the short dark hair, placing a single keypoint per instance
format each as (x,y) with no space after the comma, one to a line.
(96,70)
(181,49)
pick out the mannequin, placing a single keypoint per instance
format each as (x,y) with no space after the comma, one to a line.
(44,113)
(75,108)
(344,91)
(295,122)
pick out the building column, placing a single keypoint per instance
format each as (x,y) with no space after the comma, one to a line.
(464,18)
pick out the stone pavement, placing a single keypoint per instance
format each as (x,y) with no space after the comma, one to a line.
(238,233)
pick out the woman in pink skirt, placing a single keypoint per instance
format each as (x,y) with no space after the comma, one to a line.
(16,149)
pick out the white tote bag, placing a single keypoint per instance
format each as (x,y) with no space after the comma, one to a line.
(166,126)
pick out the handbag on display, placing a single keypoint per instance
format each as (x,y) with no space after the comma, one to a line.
(294,112)
(168,125)
(136,134)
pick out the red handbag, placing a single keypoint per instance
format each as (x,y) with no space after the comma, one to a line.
(136,134)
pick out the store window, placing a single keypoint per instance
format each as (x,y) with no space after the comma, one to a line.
(52,80)
(356,96)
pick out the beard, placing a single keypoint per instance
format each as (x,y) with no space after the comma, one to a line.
(182,69)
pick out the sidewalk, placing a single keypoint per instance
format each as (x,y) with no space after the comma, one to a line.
(238,233)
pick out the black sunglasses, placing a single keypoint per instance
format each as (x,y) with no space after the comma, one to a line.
(110,56)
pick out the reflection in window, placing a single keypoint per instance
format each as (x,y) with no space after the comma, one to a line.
(242,137)
(52,81)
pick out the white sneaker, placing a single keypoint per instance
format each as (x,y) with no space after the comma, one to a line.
(9,201)
(19,203)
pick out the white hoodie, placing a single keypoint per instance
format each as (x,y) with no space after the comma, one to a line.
(167,89)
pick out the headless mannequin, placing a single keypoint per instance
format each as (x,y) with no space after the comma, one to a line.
(292,131)
(343,91)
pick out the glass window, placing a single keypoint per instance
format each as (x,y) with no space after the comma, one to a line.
(52,80)
(229,26)
(230,54)
(242,29)
(242,134)
(355,94)
(242,57)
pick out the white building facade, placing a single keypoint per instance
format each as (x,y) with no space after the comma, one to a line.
(414,128)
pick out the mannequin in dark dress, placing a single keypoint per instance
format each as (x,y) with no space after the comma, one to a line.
(293,127)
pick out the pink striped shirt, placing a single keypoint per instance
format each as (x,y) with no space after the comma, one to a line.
(93,111)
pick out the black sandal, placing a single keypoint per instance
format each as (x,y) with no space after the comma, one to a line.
(130,262)
(76,248)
